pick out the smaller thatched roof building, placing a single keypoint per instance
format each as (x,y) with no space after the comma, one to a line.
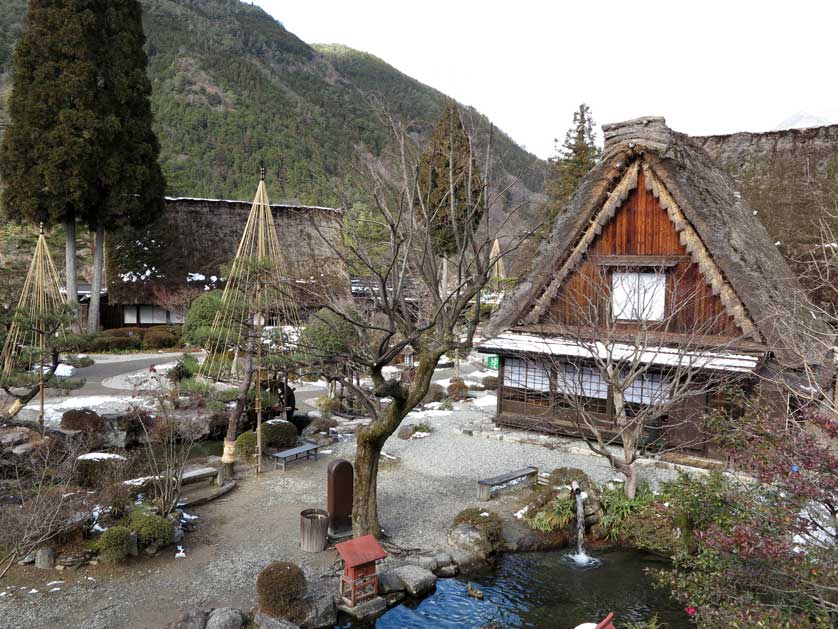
(190,245)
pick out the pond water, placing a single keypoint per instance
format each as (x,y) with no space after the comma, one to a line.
(545,590)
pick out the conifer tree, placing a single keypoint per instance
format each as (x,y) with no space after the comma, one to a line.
(576,156)
(449,184)
(130,173)
(52,145)
(80,145)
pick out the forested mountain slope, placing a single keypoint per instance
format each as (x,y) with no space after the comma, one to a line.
(233,88)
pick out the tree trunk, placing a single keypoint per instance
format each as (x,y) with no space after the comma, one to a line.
(70,258)
(630,473)
(365,498)
(228,458)
(96,287)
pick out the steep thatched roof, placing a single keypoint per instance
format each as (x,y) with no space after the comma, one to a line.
(194,239)
(753,272)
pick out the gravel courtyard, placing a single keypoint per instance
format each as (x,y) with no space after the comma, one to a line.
(419,493)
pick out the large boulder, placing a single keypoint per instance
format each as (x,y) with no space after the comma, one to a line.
(192,619)
(320,612)
(468,537)
(45,559)
(416,580)
(263,621)
(225,618)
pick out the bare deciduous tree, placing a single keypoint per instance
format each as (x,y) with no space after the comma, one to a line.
(412,292)
(627,351)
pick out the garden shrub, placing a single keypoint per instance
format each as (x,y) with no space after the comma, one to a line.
(436,393)
(156,339)
(555,515)
(79,342)
(198,323)
(116,343)
(279,434)
(114,544)
(327,404)
(99,472)
(152,529)
(125,332)
(246,444)
(490,383)
(487,522)
(457,389)
(82,419)
(280,588)
(618,510)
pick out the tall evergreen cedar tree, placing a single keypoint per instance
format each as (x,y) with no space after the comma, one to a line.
(79,146)
(449,183)
(577,155)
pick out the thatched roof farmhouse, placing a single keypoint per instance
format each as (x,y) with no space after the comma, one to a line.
(188,247)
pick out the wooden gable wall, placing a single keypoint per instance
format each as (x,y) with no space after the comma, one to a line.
(641,227)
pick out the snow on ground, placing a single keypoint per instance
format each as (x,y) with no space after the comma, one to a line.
(100,456)
(102,404)
(141,380)
(486,401)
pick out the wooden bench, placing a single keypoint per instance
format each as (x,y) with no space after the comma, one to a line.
(295,454)
(484,487)
(203,473)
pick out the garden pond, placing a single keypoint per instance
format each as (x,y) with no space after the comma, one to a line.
(545,590)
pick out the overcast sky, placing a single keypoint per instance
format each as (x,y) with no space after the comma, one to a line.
(708,67)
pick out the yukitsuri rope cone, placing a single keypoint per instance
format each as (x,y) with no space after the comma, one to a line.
(40,301)
(258,290)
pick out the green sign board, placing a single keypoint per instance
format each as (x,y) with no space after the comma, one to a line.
(492,362)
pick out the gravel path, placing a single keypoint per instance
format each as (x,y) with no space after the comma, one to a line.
(419,494)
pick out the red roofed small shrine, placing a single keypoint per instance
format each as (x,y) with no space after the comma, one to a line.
(359,580)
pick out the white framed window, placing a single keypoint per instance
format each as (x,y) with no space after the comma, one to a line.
(525,374)
(648,388)
(581,381)
(129,315)
(638,296)
(151,315)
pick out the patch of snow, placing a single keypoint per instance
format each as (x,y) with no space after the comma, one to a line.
(484,513)
(101,456)
(195,277)
(431,413)
(180,554)
(487,401)
(63,370)
(520,514)
(32,591)
(55,590)
(188,517)
(326,451)
(52,583)
(420,435)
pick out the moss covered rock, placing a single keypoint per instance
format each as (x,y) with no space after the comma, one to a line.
(151,529)
(115,544)
(477,531)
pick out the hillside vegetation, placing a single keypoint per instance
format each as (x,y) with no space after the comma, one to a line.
(233,88)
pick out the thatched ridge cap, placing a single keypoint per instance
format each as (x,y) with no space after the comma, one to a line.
(248,204)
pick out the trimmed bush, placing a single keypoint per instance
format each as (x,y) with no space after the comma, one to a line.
(115,544)
(327,404)
(116,343)
(125,332)
(279,434)
(81,419)
(489,525)
(155,339)
(490,383)
(246,444)
(436,393)
(151,528)
(198,322)
(280,588)
(457,389)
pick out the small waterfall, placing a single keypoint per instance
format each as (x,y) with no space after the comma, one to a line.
(580,557)
(580,525)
